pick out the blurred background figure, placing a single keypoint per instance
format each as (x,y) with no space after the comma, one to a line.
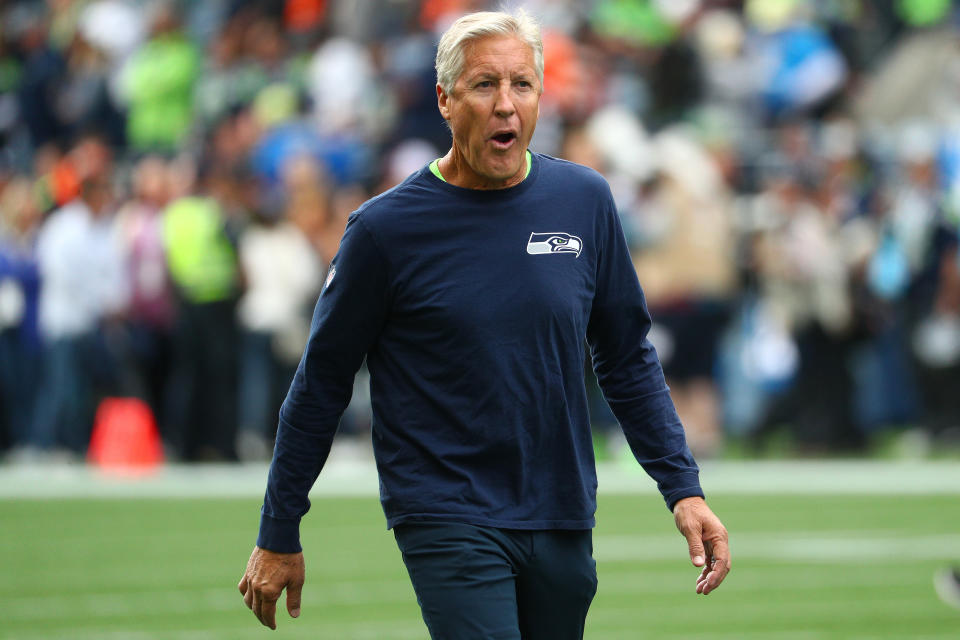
(84,290)
(200,243)
(152,305)
(20,347)
(282,274)
(787,174)
(158,84)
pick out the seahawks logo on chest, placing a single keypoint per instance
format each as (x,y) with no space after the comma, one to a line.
(547,243)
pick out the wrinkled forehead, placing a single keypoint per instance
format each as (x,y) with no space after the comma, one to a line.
(497,52)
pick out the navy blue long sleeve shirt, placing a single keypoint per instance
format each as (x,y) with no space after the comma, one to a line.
(474,309)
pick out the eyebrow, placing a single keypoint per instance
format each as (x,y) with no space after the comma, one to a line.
(485,75)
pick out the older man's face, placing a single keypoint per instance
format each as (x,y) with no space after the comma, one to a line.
(493,111)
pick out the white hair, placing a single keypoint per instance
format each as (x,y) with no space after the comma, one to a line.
(450,57)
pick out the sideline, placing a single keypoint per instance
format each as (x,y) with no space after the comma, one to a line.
(350,474)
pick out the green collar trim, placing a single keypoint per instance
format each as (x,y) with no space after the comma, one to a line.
(435,167)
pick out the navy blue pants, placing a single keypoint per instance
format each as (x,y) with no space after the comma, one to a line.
(483,583)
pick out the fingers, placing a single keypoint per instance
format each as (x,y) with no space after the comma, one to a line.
(720,565)
(697,554)
(248,598)
(711,577)
(716,568)
(264,606)
(721,551)
(246,591)
(694,536)
(703,574)
(255,604)
(293,599)
(268,610)
(702,583)
(689,521)
(702,578)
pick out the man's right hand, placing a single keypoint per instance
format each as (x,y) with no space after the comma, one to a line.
(268,574)
(707,540)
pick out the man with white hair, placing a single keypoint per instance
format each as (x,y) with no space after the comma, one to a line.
(472,288)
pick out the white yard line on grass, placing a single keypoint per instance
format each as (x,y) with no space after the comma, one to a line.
(397,629)
(766,634)
(799,546)
(111,604)
(348,475)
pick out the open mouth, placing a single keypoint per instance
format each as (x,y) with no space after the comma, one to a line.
(504,140)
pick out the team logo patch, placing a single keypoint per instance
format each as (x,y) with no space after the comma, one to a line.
(554,243)
(330,275)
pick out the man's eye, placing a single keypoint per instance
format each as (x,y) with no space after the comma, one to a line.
(484,84)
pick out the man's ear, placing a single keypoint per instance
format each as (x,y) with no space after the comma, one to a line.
(442,103)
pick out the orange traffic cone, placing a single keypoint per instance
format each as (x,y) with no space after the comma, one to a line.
(125,437)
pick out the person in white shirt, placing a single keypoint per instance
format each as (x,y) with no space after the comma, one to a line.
(83,282)
(283,274)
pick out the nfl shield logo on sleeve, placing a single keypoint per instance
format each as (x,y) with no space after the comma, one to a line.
(330,274)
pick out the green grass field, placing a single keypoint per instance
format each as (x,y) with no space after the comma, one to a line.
(804,566)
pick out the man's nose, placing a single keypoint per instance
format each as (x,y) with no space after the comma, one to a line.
(504,107)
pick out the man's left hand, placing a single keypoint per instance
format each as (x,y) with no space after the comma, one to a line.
(707,538)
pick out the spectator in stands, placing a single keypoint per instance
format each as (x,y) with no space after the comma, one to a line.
(19,292)
(791,91)
(152,310)
(282,273)
(83,287)
(202,260)
(42,73)
(158,84)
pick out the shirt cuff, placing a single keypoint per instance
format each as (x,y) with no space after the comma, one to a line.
(687,490)
(281,535)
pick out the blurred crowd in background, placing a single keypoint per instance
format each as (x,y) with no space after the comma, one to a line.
(175,178)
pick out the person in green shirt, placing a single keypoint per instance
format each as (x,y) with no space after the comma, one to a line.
(159,84)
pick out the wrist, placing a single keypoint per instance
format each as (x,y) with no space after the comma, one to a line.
(689,501)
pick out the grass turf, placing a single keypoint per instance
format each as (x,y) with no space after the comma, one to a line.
(814,567)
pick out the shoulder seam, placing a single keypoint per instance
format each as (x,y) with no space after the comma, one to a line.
(584,170)
(400,188)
